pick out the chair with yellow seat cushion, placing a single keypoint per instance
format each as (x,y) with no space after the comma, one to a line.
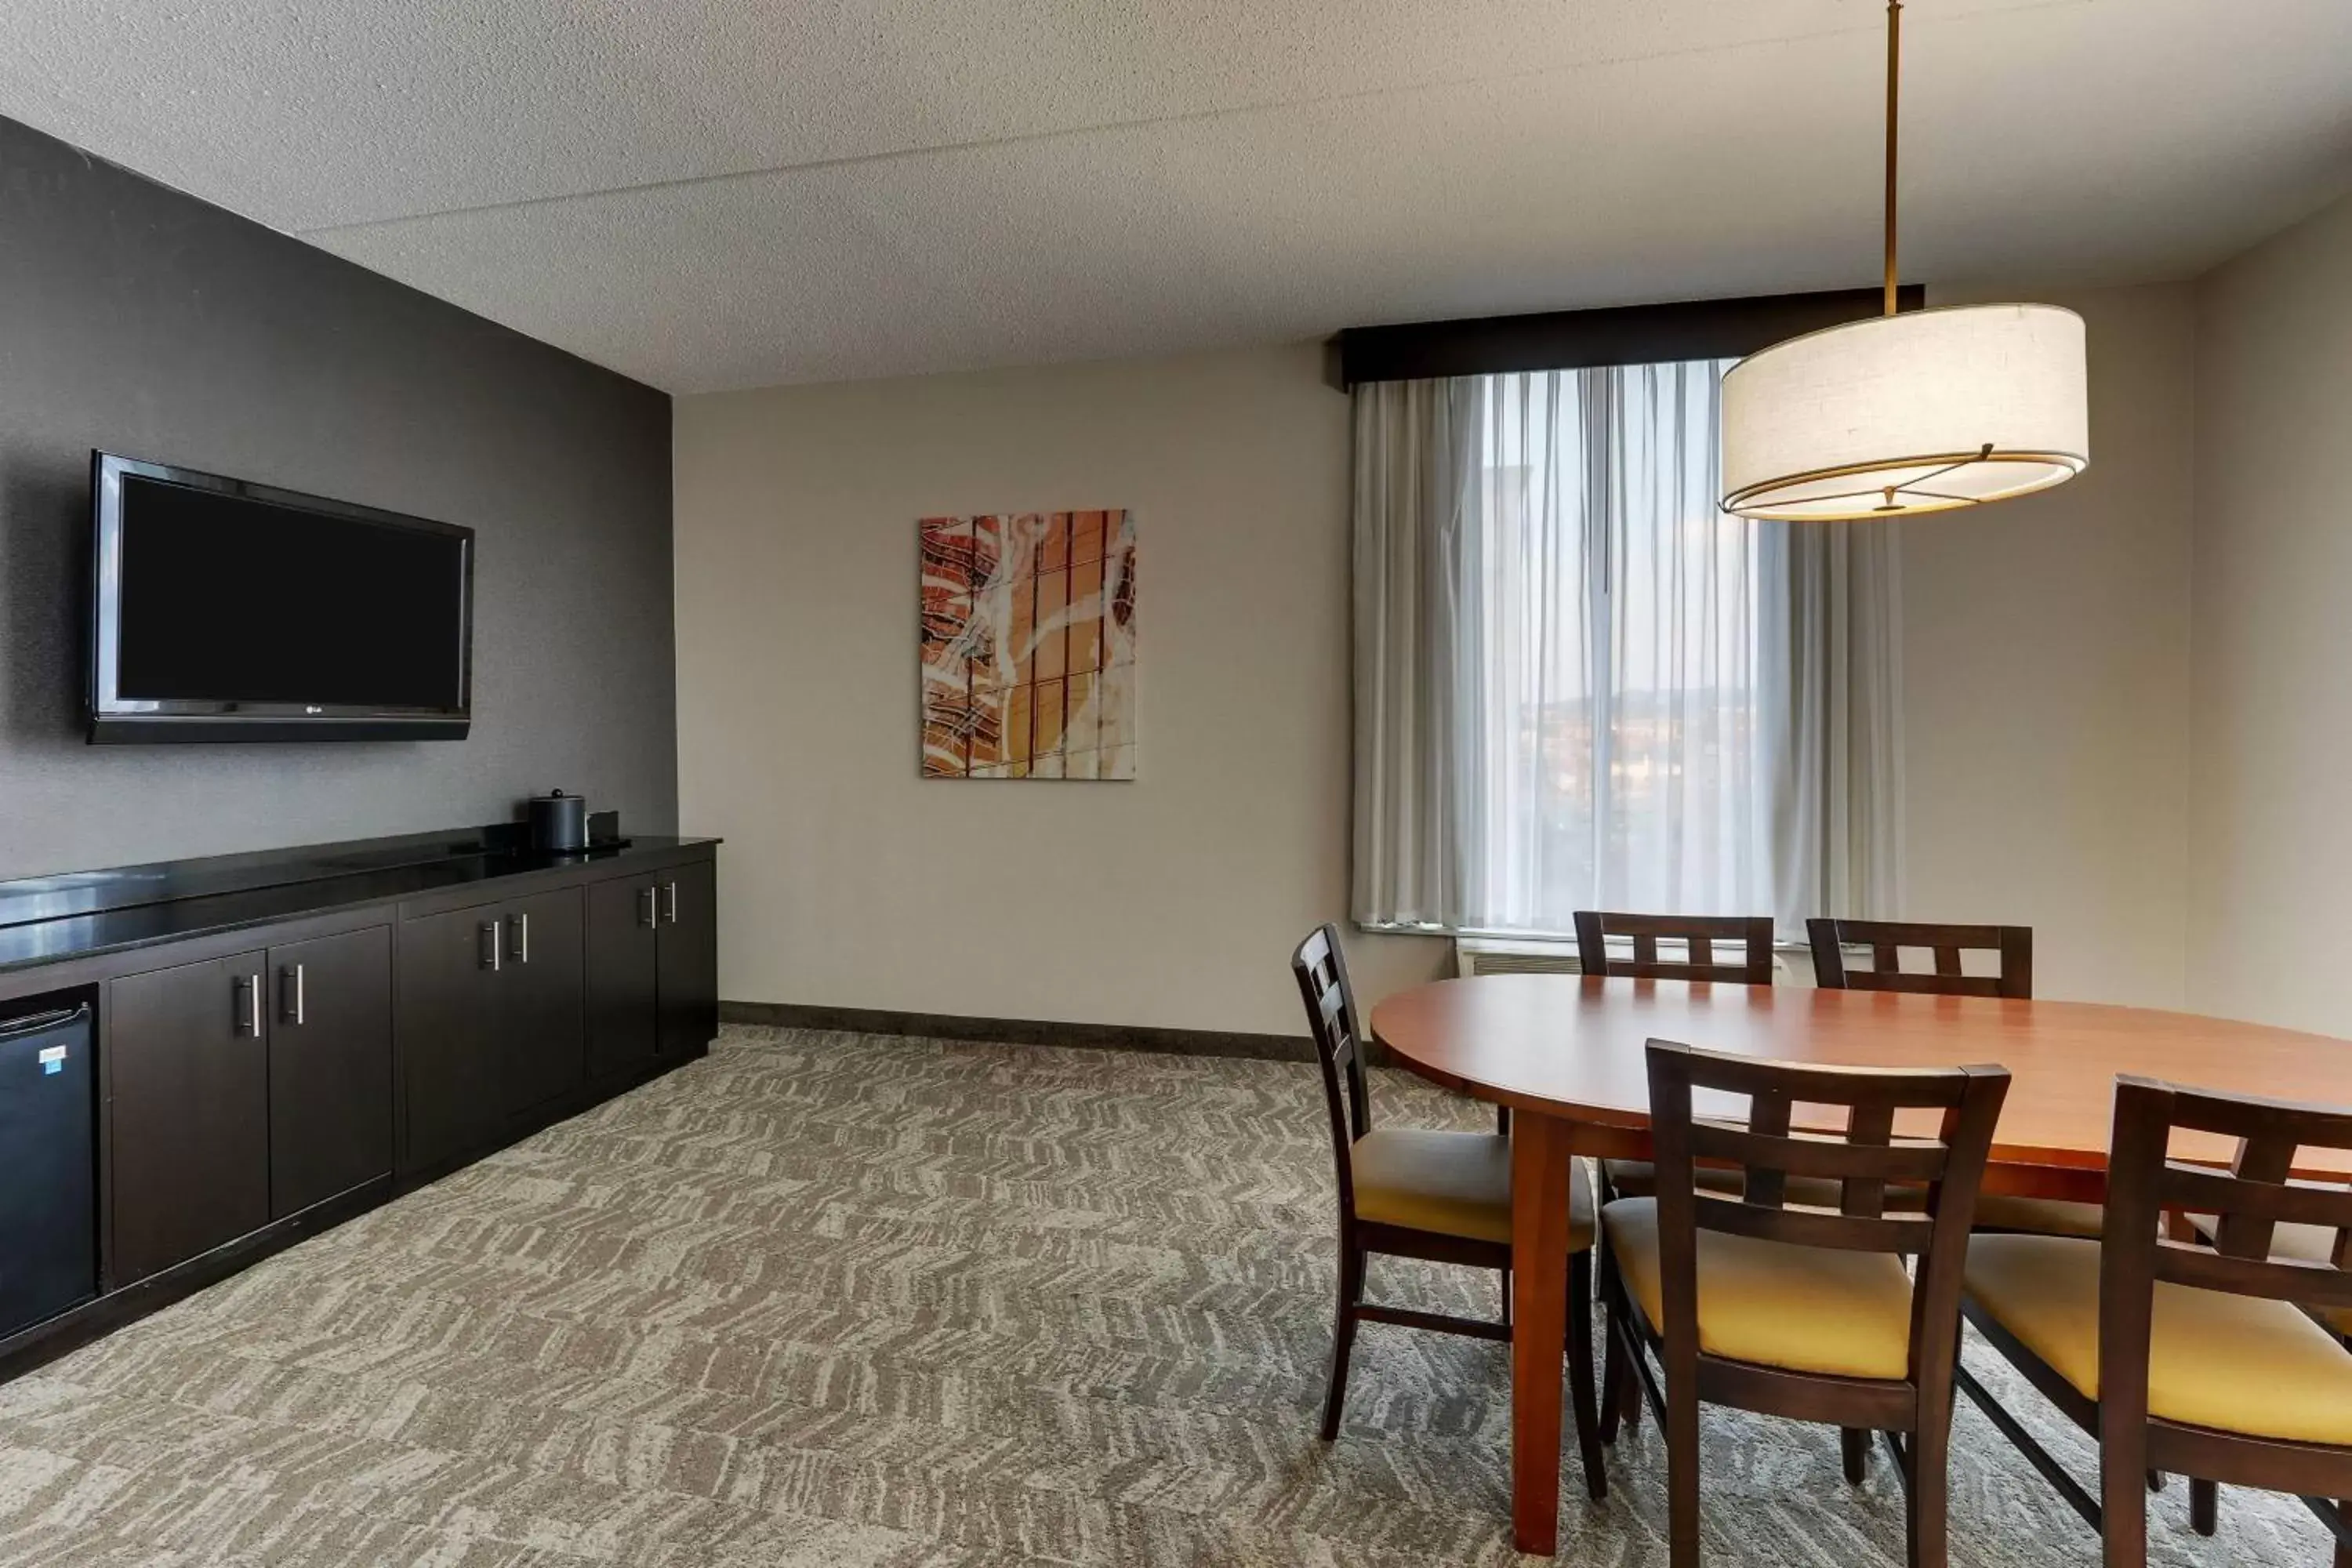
(2192,1360)
(1631,1178)
(1425,1193)
(2014,979)
(1754,1302)
(1696,935)
(1803,1309)
(2296,1243)
(1455,1183)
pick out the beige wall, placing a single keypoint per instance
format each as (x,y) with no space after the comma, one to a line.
(2045,659)
(2272,712)
(1174,900)
(2045,673)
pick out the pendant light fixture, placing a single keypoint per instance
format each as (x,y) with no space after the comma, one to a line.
(1906,414)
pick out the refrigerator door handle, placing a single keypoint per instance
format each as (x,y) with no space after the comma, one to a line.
(17,1028)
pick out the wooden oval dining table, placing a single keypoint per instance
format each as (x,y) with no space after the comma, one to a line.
(1566,1054)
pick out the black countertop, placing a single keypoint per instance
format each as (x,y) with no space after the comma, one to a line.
(45,919)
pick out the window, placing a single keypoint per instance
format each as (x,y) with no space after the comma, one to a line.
(1616,672)
(1578,684)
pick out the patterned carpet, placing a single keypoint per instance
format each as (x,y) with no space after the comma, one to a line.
(836,1300)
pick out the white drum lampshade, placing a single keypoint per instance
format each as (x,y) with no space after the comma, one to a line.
(1907,414)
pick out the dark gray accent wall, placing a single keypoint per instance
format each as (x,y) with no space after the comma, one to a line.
(141,320)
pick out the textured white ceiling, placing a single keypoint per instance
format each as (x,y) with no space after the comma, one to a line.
(723,193)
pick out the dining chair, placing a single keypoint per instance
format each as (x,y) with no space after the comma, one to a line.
(2014,979)
(1699,934)
(2202,1361)
(1887,940)
(2296,1244)
(1425,1193)
(1752,1303)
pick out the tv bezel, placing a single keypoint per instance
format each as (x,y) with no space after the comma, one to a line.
(114,718)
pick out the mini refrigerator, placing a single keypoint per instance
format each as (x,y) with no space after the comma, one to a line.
(48,1166)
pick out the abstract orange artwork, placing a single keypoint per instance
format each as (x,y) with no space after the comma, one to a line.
(1029,645)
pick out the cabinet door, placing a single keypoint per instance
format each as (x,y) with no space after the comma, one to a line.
(542,1044)
(188,1072)
(449,1030)
(623,1012)
(329,1067)
(689,957)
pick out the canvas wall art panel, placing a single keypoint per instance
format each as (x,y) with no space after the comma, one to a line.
(1028,646)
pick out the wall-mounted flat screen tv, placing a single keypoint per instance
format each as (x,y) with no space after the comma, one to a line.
(230,611)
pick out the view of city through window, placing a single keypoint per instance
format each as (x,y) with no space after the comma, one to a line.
(1617,680)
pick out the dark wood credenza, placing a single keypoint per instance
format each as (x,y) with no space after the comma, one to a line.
(286,1040)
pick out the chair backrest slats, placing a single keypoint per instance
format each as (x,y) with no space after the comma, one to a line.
(2278,1278)
(1815,1227)
(2249,1201)
(1869,1126)
(1697,934)
(1946,943)
(2230,1116)
(1766,1185)
(1866,1159)
(2197,1190)
(1899,1088)
(1914,1162)
(2262,1163)
(1321,969)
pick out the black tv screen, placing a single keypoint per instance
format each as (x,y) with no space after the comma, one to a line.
(227,610)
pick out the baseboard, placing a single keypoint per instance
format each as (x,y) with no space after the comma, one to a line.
(44,1341)
(1022,1031)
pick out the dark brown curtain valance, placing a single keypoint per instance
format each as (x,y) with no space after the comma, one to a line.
(1577,340)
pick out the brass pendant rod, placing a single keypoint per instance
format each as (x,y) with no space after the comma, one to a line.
(1894,80)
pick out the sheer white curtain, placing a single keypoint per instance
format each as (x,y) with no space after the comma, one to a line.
(1419,562)
(1581,685)
(1832,708)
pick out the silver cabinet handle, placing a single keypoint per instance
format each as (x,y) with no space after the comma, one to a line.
(669,901)
(652,915)
(248,1004)
(490,957)
(522,918)
(291,988)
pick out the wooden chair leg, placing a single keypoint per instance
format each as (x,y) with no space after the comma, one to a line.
(2155,1481)
(2342,1547)
(1343,1336)
(2123,1492)
(1927,1461)
(1580,1373)
(1629,1397)
(2204,1506)
(1621,1381)
(1503,1120)
(1682,1472)
(1506,1298)
(1612,1380)
(1853,1443)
